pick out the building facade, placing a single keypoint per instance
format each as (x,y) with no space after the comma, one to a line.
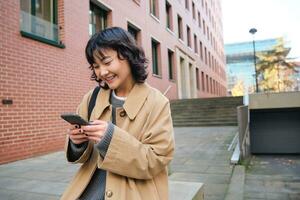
(44,72)
(240,63)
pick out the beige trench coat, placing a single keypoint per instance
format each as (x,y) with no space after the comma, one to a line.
(140,150)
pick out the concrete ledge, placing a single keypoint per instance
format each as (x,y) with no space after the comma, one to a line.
(237,182)
(179,190)
(274,100)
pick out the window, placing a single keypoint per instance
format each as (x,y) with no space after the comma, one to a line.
(187,5)
(197,79)
(203,26)
(135,32)
(201,51)
(202,81)
(38,20)
(195,43)
(169,16)
(171,64)
(209,62)
(210,80)
(207,32)
(188,34)
(98,19)
(179,23)
(193,10)
(199,19)
(155,57)
(154,8)
(207,85)
(205,55)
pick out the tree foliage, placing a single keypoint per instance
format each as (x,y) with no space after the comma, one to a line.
(273,69)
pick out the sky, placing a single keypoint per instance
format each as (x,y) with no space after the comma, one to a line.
(271,18)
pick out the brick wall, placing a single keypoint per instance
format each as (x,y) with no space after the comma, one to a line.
(43,81)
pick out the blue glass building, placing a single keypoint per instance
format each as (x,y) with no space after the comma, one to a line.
(240,62)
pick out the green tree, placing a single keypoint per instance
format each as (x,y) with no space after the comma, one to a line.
(274,70)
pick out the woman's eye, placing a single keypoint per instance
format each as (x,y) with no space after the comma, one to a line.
(107,63)
(95,66)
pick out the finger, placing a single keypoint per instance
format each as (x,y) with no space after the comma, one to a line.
(78,137)
(97,122)
(76,131)
(93,128)
(95,139)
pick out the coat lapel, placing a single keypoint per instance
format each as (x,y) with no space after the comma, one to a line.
(132,105)
(136,99)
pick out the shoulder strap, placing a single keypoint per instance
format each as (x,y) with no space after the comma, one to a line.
(93,101)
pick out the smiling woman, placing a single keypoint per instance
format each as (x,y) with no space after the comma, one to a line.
(116,44)
(126,148)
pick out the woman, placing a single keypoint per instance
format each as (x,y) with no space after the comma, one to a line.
(126,149)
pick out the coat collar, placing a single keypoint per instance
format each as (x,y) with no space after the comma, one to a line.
(132,105)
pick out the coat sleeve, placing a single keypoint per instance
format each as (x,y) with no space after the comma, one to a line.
(82,111)
(127,156)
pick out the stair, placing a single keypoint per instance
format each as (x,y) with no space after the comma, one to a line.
(219,111)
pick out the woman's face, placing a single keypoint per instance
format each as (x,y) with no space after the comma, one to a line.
(116,73)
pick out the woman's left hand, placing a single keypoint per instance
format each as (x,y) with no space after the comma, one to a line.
(96,130)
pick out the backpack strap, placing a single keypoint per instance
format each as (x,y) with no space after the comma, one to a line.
(93,101)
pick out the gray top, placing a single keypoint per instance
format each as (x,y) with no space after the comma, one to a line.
(96,187)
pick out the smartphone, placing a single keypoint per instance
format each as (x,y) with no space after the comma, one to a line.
(74,119)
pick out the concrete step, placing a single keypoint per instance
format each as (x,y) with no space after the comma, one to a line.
(206,112)
(180,190)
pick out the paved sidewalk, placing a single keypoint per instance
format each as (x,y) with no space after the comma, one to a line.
(275,177)
(201,156)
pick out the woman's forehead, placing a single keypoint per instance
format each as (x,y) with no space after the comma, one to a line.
(102,54)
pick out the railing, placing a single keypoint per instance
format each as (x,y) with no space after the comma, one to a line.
(38,26)
(167,90)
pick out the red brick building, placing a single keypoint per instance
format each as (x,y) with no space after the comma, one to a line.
(43,71)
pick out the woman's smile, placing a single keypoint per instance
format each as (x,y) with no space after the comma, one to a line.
(110,79)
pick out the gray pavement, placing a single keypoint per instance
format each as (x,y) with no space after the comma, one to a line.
(275,177)
(201,156)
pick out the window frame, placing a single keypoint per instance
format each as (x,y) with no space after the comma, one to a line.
(35,37)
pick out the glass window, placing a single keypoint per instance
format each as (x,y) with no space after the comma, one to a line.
(154,7)
(171,62)
(39,18)
(199,19)
(98,19)
(193,10)
(187,5)
(179,22)
(201,51)
(155,57)
(188,32)
(197,78)
(135,32)
(207,85)
(202,81)
(169,16)
(195,43)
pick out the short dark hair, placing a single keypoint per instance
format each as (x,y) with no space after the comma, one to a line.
(124,44)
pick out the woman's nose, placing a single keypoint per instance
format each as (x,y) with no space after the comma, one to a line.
(103,72)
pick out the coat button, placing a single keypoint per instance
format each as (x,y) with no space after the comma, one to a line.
(109,193)
(122,113)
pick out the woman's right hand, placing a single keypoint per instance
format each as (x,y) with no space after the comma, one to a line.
(76,135)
